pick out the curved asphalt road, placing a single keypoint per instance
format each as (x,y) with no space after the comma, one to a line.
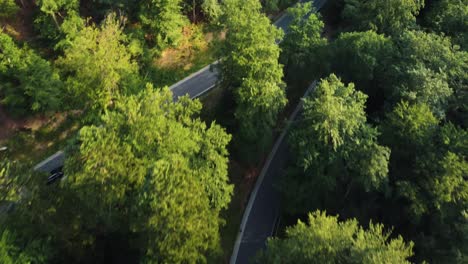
(206,79)
(262,213)
(194,85)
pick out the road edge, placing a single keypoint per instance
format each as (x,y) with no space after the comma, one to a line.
(259,182)
(213,64)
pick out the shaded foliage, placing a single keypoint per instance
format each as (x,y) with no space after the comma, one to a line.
(325,240)
(251,70)
(8,8)
(334,148)
(98,66)
(163,20)
(28,83)
(384,16)
(304,50)
(449,17)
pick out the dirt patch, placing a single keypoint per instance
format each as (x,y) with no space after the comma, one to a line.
(193,41)
(20,26)
(194,44)
(9,125)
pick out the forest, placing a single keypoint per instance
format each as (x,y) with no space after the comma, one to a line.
(375,164)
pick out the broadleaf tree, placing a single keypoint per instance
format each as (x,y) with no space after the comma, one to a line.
(156,170)
(97,65)
(8,8)
(362,58)
(417,49)
(383,16)
(428,169)
(304,50)
(28,83)
(333,147)
(252,72)
(323,239)
(449,17)
(164,21)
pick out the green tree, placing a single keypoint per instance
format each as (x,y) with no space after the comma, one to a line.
(251,70)
(334,148)
(98,65)
(428,170)
(449,17)
(8,8)
(156,170)
(17,245)
(422,85)
(426,159)
(325,240)
(55,8)
(304,48)
(362,58)
(426,86)
(272,6)
(9,253)
(27,81)
(71,26)
(8,186)
(407,130)
(212,8)
(53,14)
(163,21)
(436,52)
(383,16)
(439,55)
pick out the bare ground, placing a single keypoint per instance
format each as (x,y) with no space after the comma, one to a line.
(20,26)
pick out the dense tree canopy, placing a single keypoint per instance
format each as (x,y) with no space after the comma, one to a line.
(8,8)
(435,52)
(252,71)
(9,253)
(171,193)
(383,16)
(98,65)
(436,62)
(303,47)
(325,240)
(333,146)
(449,17)
(423,85)
(383,139)
(53,13)
(428,169)
(164,20)
(54,8)
(27,81)
(413,66)
(362,57)
(275,5)
(212,8)
(131,186)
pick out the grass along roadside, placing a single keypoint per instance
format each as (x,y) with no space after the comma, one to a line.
(33,141)
(196,50)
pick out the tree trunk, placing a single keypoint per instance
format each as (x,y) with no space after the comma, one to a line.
(194,11)
(55,21)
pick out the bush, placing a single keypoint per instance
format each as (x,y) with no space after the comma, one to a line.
(8,8)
